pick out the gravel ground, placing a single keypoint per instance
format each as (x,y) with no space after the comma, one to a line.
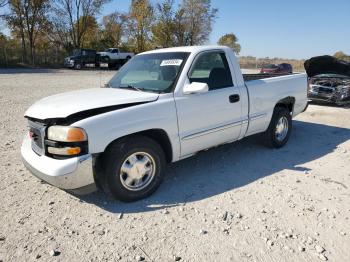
(238,202)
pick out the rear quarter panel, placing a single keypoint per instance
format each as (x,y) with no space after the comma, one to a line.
(264,94)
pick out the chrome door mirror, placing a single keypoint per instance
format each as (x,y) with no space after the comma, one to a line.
(195,88)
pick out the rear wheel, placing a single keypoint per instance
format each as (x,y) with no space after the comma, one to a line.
(279,130)
(133,168)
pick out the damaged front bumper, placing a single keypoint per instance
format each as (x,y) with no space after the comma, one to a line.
(339,96)
(74,174)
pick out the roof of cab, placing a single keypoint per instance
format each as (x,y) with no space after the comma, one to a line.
(190,49)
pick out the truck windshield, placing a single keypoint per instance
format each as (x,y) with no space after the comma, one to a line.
(150,72)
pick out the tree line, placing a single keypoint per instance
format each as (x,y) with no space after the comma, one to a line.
(45,31)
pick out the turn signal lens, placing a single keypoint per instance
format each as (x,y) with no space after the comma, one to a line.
(76,135)
(66,134)
(64,151)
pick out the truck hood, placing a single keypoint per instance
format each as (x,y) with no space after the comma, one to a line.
(69,103)
(326,65)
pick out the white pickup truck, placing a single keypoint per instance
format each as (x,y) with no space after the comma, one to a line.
(162,106)
(113,57)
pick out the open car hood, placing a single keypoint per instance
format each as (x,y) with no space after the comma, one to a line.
(326,65)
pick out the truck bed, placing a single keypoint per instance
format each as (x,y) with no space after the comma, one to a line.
(250,77)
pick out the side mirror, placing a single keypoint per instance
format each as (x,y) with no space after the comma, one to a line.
(195,88)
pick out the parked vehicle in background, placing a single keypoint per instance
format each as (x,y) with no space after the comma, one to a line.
(162,106)
(329,80)
(115,57)
(82,58)
(283,68)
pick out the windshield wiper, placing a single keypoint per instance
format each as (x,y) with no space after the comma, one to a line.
(131,87)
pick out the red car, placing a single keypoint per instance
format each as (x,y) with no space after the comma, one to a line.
(283,68)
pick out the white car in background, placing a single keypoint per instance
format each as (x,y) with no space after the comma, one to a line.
(161,107)
(114,57)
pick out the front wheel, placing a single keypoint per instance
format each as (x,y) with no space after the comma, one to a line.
(279,130)
(77,66)
(133,168)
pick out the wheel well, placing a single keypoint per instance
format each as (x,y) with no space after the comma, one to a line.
(159,136)
(287,102)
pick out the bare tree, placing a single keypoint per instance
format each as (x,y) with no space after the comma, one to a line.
(15,20)
(71,17)
(3,3)
(27,18)
(35,20)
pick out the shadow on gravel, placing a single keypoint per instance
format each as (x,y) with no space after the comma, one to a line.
(231,166)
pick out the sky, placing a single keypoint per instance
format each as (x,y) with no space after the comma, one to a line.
(277,28)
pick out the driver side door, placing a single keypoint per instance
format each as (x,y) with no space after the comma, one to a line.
(214,117)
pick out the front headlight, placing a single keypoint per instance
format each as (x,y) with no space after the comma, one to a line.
(66,134)
(66,141)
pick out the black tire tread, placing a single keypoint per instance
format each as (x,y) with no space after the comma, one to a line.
(115,155)
(269,135)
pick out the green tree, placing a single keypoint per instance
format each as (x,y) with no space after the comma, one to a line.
(90,39)
(141,17)
(342,56)
(180,28)
(114,29)
(231,41)
(163,29)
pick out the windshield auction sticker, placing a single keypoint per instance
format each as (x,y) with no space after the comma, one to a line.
(171,62)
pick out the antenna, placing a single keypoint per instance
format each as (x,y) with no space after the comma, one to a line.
(100,76)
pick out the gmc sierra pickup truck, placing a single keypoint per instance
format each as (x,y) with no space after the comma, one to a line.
(160,107)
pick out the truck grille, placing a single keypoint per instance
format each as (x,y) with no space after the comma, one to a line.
(37,133)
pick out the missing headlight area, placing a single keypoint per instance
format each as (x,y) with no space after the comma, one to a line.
(329,80)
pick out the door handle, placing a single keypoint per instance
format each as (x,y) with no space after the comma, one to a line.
(233,98)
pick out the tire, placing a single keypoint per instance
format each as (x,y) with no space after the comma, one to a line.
(109,62)
(128,180)
(77,66)
(279,130)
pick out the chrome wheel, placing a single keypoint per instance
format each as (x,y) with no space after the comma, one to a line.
(281,130)
(137,171)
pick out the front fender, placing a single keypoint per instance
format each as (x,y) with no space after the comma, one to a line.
(104,128)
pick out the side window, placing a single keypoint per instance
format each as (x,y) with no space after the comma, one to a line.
(211,68)
(84,53)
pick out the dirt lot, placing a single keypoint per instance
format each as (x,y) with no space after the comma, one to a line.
(239,202)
